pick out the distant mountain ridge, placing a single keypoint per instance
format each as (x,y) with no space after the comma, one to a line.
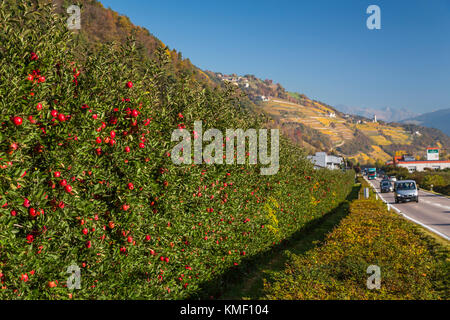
(387,114)
(439,119)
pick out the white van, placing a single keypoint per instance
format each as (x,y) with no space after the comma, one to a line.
(406,190)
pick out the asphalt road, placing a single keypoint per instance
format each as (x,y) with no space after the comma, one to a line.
(432,211)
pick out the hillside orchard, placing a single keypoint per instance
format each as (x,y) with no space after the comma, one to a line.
(86,176)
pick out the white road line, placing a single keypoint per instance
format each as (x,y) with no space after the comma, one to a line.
(439,205)
(436,204)
(406,216)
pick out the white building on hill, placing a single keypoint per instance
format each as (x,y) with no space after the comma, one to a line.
(263,98)
(322,160)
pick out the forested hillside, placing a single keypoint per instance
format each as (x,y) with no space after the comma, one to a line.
(103,25)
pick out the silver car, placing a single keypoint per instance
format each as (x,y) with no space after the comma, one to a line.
(406,190)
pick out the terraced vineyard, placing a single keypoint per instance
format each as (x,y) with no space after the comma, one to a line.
(315,117)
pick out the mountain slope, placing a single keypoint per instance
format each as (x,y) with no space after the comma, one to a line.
(103,25)
(439,119)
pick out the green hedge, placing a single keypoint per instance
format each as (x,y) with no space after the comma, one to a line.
(443,189)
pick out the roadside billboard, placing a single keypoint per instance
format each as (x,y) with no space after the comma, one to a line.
(432,154)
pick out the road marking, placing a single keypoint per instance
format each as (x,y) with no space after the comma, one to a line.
(436,204)
(406,216)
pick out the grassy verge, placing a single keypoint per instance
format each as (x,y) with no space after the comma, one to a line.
(413,264)
(247,282)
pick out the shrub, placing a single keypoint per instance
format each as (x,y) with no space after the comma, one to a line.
(399,172)
(443,189)
(435,180)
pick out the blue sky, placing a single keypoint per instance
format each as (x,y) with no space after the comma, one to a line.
(320,48)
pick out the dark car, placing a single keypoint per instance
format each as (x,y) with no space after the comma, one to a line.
(386,186)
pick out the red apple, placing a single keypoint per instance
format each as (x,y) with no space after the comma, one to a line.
(32,212)
(61,117)
(17,121)
(26,203)
(30,238)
